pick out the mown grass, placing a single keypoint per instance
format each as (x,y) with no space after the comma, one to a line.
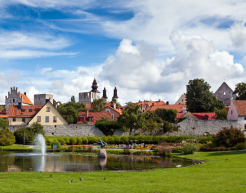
(16,147)
(221,172)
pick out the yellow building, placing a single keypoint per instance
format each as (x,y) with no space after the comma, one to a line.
(27,115)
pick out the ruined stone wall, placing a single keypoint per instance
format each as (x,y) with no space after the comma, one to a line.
(199,127)
(70,130)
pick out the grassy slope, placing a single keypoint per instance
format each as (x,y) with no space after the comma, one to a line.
(216,175)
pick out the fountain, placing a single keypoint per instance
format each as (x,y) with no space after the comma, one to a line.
(40,142)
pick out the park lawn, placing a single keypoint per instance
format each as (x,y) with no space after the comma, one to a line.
(16,147)
(216,175)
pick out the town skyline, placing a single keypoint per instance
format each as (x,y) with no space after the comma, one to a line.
(148,51)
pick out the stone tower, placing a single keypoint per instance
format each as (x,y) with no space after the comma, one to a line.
(115,94)
(88,97)
(105,94)
(225,94)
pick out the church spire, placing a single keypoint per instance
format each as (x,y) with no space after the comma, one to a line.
(115,94)
(94,86)
(105,94)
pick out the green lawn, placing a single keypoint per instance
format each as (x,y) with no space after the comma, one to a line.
(16,147)
(217,174)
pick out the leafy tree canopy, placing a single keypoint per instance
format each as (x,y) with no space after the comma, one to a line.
(98,105)
(70,111)
(167,114)
(114,100)
(72,99)
(6,138)
(4,123)
(198,96)
(132,114)
(240,90)
(107,127)
(221,114)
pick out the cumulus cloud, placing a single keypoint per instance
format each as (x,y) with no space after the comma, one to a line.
(238,35)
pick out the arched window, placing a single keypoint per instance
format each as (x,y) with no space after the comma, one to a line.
(13,100)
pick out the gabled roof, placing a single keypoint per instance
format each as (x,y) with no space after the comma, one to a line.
(201,116)
(179,108)
(240,106)
(96,116)
(15,112)
(224,83)
(117,110)
(151,103)
(25,100)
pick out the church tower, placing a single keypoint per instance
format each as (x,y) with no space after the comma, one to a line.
(94,86)
(88,97)
(115,94)
(105,94)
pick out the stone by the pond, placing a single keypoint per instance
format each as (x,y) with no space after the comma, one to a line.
(102,153)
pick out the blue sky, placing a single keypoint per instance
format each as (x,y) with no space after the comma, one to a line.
(148,49)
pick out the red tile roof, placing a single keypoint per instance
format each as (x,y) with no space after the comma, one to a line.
(88,106)
(117,110)
(240,106)
(96,116)
(15,112)
(179,108)
(200,116)
(25,100)
(152,103)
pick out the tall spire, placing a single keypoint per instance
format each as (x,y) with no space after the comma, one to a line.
(94,86)
(115,93)
(105,94)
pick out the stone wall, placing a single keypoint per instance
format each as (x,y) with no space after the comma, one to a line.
(199,127)
(71,130)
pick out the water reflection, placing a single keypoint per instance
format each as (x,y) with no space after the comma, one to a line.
(72,163)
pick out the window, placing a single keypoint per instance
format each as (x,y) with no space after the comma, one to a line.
(47,119)
(22,110)
(14,119)
(224,93)
(38,119)
(17,101)
(30,110)
(23,119)
(112,116)
(91,119)
(13,100)
(54,119)
(206,118)
(231,112)
(9,100)
(244,118)
(107,110)
(47,109)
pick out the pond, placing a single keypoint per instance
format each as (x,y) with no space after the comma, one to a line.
(30,162)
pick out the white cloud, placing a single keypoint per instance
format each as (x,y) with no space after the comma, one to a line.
(45,70)
(238,35)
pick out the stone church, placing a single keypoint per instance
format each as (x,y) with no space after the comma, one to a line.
(88,97)
(225,94)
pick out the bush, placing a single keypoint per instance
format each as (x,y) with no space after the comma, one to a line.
(240,146)
(165,152)
(110,139)
(6,138)
(229,137)
(71,148)
(62,141)
(30,133)
(92,140)
(73,141)
(79,140)
(56,143)
(116,139)
(48,141)
(90,149)
(84,140)
(189,148)
(67,141)
(105,139)
(4,123)
(123,139)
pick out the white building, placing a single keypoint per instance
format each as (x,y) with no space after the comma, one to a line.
(40,99)
(88,97)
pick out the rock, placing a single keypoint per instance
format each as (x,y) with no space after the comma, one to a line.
(102,153)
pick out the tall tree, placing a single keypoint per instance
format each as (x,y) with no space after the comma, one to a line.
(98,105)
(4,123)
(198,96)
(130,115)
(70,111)
(240,90)
(167,114)
(72,99)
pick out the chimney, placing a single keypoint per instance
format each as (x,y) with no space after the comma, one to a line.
(139,101)
(159,100)
(167,103)
(184,110)
(86,113)
(19,105)
(47,100)
(24,93)
(113,105)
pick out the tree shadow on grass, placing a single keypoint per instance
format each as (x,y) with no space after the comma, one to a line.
(221,153)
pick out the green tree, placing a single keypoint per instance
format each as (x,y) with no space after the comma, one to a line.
(198,96)
(117,104)
(240,90)
(54,102)
(132,114)
(98,105)
(70,111)
(167,114)
(72,99)
(4,123)
(221,114)
(1,107)
(6,138)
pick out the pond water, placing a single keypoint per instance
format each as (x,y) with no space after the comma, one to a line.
(28,162)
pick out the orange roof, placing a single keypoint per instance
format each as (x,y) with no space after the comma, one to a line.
(117,110)
(227,108)
(179,107)
(15,112)
(96,116)
(151,103)
(240,106)
(25,99)
(201,116)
